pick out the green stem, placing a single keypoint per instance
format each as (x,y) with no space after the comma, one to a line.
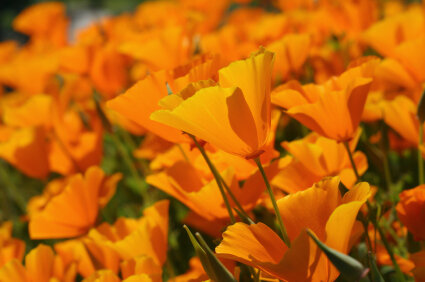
(387,173)
(216,176)
(183,153)
(275,207)
(375,222)
(130,165)
(400,276)
(12,190)
(353,164)
(235,200)
(420,159)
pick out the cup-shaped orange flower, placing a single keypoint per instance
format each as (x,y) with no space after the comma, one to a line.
(400,115)
(315,157)
(185,183)
(74,210)
(233,116)
(140,100)
(10,248)
(330,216)
(332,109)
(125,242)
(410,211)
(41,264)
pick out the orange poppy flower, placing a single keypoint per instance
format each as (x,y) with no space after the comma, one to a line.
(132,245)
(75,143)
(40,67)
(315,157)
(384,36)
(138,102)
(332,109)
(410,211)
(196,272)
(141,268)
(108,71)
(104,275)
(132,238)
(169,48)
(41,265)
(291,53)
(73,211)
(234,116)
(10,248)
(400,115)
(329,216)
(419,261)
(88,256)
(20,147)
(184,182)
(45,23)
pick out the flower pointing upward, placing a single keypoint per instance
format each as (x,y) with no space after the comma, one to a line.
(234,115)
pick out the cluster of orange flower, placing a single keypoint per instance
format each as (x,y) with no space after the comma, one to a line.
(249,113)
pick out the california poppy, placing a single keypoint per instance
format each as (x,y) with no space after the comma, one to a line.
(75,209)
(410,210)
(332,109)
(257,245)
(41,264)
(10,248)
(315,157)
(234,116)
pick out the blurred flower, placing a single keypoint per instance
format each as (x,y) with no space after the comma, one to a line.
(41,264)
(410,210)
(332,109)
(74,210)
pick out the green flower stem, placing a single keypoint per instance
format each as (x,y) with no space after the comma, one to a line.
(420,159)
(353,164)
(272,198)
(183,153)
(375,223)
(130,165)
(235,200)
(216,176)
(399,274)
(11,190)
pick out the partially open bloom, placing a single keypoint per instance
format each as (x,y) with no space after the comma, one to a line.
(123,245)
(234,115)
(410,211)
(10,248)
(41,264)
(332,109)
(315,157)
(139,101)
(73,210)
(330,216)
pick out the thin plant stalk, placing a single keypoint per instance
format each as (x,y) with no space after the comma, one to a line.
(235,200)
(375,223)
(131,166)
(420,159)
(272,198)
(216,176)
(399,274)
(11,190)
(353,164)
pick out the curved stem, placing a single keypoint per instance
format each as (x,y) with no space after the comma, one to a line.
(216,176)
(235,200)
(275,207)
(420,159)
(400,276)
(353,164)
